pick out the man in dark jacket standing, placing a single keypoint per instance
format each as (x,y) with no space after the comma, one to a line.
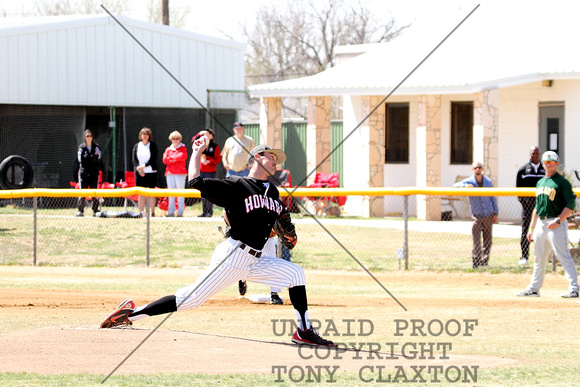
(528,176)
(89,156)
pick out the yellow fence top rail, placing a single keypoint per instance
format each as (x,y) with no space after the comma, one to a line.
(298,192)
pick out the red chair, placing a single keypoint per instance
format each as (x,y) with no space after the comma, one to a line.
(106,185)
(325,180)
(163,203)
(129,183)
(327,205)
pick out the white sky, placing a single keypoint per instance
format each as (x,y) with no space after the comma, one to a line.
(209,17)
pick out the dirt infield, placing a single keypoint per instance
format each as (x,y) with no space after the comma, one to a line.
(55,331)
(88,350)
(72,349)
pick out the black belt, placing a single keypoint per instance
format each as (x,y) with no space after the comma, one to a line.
(250,251)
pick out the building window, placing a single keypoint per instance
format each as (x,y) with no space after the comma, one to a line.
(397,133)
(461,132)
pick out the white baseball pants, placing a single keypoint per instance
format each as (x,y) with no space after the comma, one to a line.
(555,240)
(175,182)
(229,264)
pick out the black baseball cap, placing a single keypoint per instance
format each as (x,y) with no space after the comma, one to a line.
(280,155)
(238,125)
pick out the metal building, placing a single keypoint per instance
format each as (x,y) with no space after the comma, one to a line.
(62,74)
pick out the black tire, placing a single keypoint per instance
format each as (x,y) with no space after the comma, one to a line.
(16,173)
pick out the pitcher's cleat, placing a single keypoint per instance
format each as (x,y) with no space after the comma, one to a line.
(310,337)
(120,316)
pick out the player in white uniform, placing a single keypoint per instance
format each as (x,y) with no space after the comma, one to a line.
(268,250)
(252,205)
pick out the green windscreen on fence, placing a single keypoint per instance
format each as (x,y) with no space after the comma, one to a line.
(49,136)
(336,156)
(294,136)
(294,145)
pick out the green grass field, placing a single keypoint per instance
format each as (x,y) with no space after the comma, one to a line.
(104,260)
(536,335)
(184,242)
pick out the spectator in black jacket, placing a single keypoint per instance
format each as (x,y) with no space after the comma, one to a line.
(527,176)
(88,156)
(145,162)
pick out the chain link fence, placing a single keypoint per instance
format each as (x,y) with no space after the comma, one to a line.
(37,228)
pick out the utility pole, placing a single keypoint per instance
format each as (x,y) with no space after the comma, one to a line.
(165,12)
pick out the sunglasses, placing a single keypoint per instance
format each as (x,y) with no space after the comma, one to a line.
(477,167)
(88,135)
(175,138)
(550,162)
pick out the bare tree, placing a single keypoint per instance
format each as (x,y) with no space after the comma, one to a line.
(301,39)
(80,7)
(76,7)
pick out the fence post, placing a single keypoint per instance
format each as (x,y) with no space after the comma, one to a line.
(147,236)
(406,231)
(35,225)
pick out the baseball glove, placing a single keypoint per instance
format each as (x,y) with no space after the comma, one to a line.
(286,231)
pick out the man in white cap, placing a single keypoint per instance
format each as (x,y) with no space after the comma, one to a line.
(555,201)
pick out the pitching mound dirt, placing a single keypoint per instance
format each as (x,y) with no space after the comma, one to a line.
(72,350)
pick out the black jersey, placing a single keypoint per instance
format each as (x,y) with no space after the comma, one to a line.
(89,160)
(252,206)
(527,175)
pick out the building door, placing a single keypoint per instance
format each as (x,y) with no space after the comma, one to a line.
(552,128)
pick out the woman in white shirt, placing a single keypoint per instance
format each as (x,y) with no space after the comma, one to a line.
(145,162)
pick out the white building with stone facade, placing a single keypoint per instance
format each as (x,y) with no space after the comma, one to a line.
(418,111)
